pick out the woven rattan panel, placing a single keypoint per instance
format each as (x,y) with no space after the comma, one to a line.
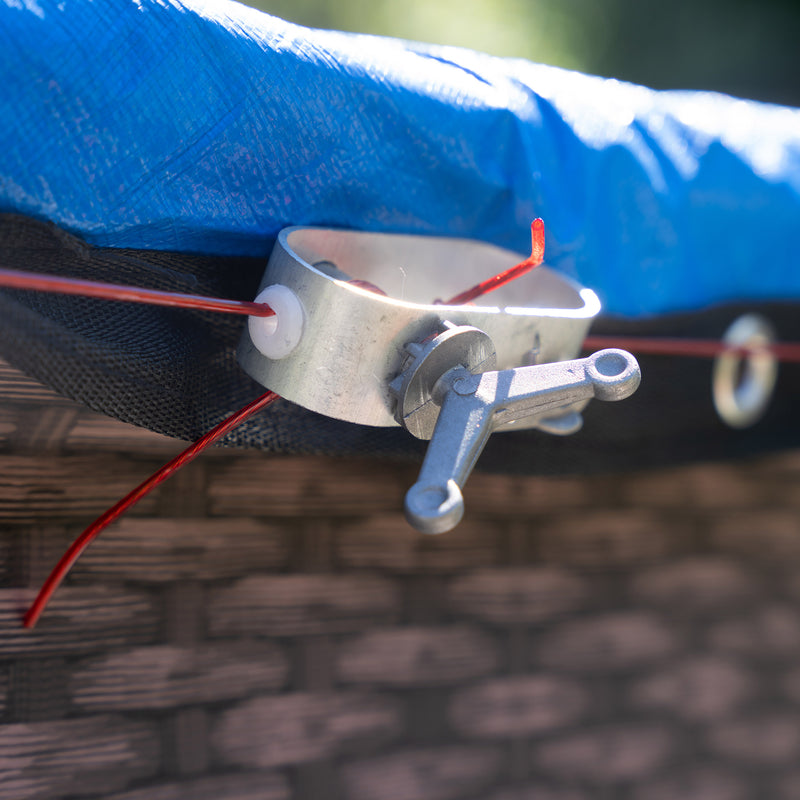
(269,628)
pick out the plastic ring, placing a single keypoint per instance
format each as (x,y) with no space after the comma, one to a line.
(276,337)
(742,386)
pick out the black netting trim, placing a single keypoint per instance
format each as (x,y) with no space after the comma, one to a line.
(174,371)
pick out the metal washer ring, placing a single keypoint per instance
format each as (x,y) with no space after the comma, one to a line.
(743,386)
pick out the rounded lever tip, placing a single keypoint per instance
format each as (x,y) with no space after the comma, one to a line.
(614,373)
(432,508)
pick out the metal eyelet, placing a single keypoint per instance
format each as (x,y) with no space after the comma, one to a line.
(742,386)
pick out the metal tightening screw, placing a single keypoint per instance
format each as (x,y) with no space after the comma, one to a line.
(459,410)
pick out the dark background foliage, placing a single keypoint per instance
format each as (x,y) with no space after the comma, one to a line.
(746,48)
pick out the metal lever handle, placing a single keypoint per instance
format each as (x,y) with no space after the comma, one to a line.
(476,405)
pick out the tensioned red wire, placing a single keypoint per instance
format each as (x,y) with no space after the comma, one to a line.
(14,279)
(74,551)
(21,280)
(697,348)
(691,348)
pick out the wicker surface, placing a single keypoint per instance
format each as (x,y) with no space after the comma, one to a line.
(270,628)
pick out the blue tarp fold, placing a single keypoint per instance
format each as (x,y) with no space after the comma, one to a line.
(207,127)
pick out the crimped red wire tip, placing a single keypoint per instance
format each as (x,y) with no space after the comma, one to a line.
(75,550)
(501,279)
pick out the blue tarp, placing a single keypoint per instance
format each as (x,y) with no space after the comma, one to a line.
(207,127)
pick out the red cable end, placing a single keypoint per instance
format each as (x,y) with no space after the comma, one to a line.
(501,279)
(537,242)
(74,551)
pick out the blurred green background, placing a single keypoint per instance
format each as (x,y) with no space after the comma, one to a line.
(747,48)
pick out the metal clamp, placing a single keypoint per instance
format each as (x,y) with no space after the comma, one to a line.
(337,354)
(444,400)
(395,357)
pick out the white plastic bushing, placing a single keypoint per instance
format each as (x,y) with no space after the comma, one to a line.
(277,336)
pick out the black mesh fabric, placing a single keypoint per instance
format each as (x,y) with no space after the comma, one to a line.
(175,371)
(171,370)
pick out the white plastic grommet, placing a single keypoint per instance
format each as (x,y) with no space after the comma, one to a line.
(743,385)
(277,336)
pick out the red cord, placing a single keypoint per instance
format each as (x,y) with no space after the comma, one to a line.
(13,279)
(20,280)
(691,348)
(74,551)
(501,279)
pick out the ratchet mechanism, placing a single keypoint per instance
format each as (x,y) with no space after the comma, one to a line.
(453,374)
(450,393)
